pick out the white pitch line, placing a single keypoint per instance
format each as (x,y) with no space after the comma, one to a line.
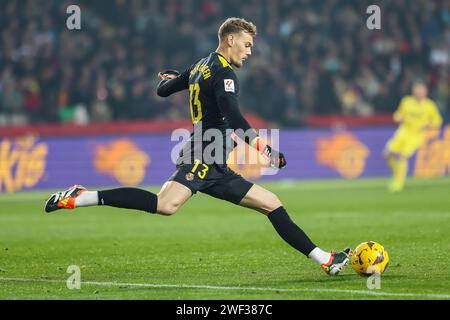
(209,287)
(346,184)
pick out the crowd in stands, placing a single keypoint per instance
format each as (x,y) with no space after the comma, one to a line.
(310,57)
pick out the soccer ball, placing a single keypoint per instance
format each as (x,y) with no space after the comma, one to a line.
(370,257)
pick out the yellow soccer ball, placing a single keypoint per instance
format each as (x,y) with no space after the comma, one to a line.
(370,257)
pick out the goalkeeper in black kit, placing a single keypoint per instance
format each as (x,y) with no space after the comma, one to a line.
(213,99)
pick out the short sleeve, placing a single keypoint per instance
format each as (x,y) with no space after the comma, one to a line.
(435,115)
(401,110)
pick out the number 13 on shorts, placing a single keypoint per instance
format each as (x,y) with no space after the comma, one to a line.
(201,173)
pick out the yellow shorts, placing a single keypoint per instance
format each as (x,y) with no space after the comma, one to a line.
(405,143)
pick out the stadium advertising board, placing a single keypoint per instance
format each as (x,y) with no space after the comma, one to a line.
(32,163)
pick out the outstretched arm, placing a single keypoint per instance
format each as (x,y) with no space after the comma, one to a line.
(172,81)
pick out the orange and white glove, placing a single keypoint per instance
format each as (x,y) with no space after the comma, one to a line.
(276,158)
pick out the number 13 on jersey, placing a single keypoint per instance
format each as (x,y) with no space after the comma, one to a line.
(194,103)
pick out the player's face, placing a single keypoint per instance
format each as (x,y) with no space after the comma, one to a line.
(241,48)
(420,92)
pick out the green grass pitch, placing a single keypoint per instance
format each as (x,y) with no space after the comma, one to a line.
(214,250)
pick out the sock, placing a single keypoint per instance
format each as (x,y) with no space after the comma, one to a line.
(87,198)
(290,232)
(320,256)
(129,198)
(400,172)
(391,162)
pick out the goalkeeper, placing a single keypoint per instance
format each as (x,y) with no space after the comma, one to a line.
(213,99)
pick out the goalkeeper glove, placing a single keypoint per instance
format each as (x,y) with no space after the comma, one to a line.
(276,158)
(168,74)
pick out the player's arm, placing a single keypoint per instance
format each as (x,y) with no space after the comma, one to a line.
(226,87)
(435,117)
(172,81)
(399,115)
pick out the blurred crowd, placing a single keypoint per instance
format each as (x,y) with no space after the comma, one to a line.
(310,57)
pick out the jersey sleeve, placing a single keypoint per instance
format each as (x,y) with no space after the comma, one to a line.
(226,84)
(401,110)
(435,116)
(169,86)
(226,91)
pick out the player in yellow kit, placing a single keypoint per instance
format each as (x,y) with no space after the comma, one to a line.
(415,115)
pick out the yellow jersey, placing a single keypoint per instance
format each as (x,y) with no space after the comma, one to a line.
(415,115)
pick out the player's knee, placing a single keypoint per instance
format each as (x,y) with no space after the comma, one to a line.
(167,208)
(272,202)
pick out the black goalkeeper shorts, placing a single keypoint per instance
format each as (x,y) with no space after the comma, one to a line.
(219,182)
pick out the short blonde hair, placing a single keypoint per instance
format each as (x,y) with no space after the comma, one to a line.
(236,25)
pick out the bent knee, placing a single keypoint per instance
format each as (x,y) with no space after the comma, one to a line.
(167,208)
(271,203)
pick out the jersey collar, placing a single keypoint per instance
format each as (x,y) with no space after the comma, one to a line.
(225,62)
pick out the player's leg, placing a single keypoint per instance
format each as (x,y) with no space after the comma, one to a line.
(268,203)
(398,151)
(234,188)
(392,154)
(166,202)
(172,196)
(399,167)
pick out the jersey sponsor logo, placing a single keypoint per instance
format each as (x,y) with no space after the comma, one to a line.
(229,85)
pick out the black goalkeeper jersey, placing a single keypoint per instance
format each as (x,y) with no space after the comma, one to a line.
(213,101)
